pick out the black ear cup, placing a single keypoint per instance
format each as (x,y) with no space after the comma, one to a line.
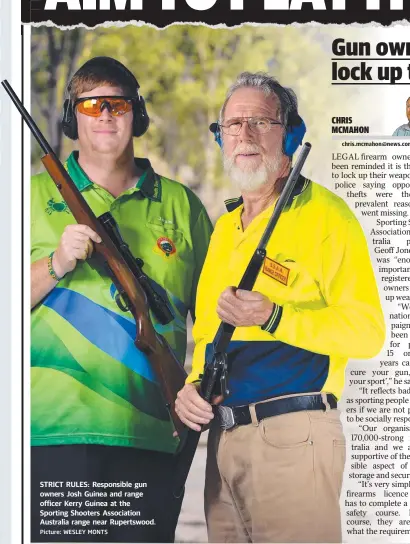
(141,119)
(69,120)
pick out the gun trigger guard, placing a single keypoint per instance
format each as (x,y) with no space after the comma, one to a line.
(121,303)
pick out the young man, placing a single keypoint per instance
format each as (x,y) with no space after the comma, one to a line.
(275,473)
(100,428)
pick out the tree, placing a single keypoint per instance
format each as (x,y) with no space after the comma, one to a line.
(54,54)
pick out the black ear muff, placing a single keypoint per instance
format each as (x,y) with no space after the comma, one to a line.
(141,119)
(69,120)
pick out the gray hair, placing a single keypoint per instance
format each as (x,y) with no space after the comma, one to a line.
(288,103)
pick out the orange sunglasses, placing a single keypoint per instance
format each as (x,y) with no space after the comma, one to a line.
(94,105)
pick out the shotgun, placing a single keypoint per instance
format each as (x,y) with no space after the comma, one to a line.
(134,288)
(214,381)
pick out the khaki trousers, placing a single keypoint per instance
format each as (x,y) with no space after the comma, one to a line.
(276,481)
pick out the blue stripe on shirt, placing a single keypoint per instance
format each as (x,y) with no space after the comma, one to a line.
(262,370)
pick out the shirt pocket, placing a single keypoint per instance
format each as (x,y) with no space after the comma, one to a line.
(169,242)
(171,258)
(285,280)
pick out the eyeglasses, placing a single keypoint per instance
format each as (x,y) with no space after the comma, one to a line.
(257,125)
(94,105)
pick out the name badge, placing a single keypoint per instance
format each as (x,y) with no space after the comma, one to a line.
(276,271)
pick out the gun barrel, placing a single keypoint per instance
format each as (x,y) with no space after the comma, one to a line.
(286,194)
(27,118)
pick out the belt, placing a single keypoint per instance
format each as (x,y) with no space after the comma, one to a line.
(232,416)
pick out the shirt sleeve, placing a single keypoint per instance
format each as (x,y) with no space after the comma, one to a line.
(41,192)
(352,324)
(203,328)
(201,234)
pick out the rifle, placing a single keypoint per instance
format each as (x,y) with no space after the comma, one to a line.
(215,378)
(133,286)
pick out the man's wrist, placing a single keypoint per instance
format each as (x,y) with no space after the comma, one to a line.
(54,268)
(196,384)
(272,323)
(267,314)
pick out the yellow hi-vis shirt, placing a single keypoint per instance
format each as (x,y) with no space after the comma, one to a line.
(318,273)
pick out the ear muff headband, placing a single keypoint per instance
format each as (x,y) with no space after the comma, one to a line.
(140,115)
(293,138)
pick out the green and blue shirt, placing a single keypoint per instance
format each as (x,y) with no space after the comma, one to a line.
(90,384)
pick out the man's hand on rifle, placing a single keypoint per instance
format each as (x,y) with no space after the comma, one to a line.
(76,243)
(241,309)
(244,308)
(192,409)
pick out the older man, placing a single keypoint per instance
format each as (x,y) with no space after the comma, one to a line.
(276,475)
(404,130)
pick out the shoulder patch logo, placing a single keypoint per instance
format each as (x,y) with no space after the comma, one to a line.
(166,246)
(56,206)
(276,271)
